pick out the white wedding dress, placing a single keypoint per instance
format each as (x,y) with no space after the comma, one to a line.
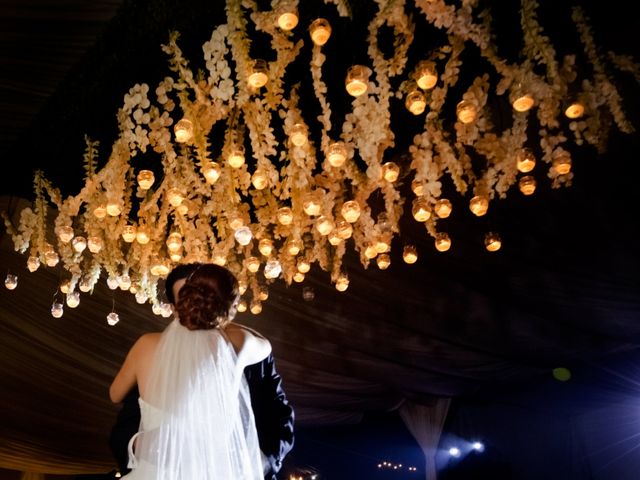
(196,417)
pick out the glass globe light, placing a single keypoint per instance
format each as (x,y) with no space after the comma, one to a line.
(259,179)
(298,135)
(416,102)
(219,259)
(112,319)
(324,225)
(84,285)
(303,266)
(442,242)
(525,160)
(342,283)
(256,307)
(57,309)
(95,244)
(574,110)
(33,263)
(113,209)
(426,75)
(235,159)
(145,179)
(160,268)
(211,172)
(265,246)
(183,130)
(337,154)
(561,163)
(351,211)
(466,112)
(344,230)
(242,306)
(124,282)
(272,269)
(285,216)
(263,294)
(357,80)
(79,244)
(442,208)
(11,281)
(383,261)
(129,233)
(298,277)
(312,203)
(100,211)
(320,31)
(142,235)
(420,209)
(410,254)
(141,297)
(370,250)
(520,99)
(492,242)
(417,187)
(51,258)
(253,264)
(527,185)
(259,74)
(287,18)
(73,299)
(175,196)
(176,256)
(65,286)
(390,171)
(174,241)
(65,234)
(479,205)
(294,246)
(112,282)
(242,286)
(334,238)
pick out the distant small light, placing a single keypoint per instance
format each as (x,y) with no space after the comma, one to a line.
(561,374)
(478,446)
(454,451)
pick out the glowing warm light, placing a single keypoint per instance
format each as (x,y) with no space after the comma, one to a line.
(350,211)
(298,135)
(288,20)
(265,246)
(79,244)
(337,154)
(466,112)
(426,75)
(574,110)
(417,187)
(342,283)
(253,264)
(259,74)
(112,319)
(11,281)
(33,263)
(100,211)
(242,306)
(129,233)
(312,203)
(298,277)
(522,102)
(525,160)
(390,171)
(357,80)
(211,172)
(272,269)
(442,242)
(73,299)
(344,229)
(492,242)
(175,196)
(416,102)
(145,179)
(65,234)
(294,246)
(183,130)
(235,159)
(324,225)
(113,209)
(527,185)
(174,241)
(420,209)
(562,163)
(142,235)
(410,254)
(57,310)
(51,258)
(442,208)
(383,261)
(259,179)
(320,31)
(95,244)
(285,216)
(303,265)
(256,307)
(479,205)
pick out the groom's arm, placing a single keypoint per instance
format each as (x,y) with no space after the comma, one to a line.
(274,416)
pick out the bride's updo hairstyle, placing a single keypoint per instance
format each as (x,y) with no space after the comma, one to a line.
(208,297)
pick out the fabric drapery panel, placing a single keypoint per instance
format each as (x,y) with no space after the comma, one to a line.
(425,423)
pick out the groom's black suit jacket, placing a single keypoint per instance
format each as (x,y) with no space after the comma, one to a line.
(273,414)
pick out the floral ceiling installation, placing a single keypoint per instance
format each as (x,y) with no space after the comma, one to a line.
(248,176)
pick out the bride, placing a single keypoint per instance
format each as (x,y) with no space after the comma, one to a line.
(197,421)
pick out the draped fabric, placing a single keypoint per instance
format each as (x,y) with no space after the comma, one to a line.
(425,423)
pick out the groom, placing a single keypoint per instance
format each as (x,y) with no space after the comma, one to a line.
(273,415)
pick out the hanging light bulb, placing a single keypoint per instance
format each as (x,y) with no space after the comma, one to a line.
(334,238)
(242,306)
(259,179)
(259,74)
(84,285)
(562,163)
(370,250)
(527,185)
(298,135)
(235,159)
(420,209)
(312,203)
(520,99)
(294,246)
(443,242)
(479,205)
(337,154)
(357,80)
(11,281)
(442,208)
(211,172)
(100,211)
(113,209)
(73,299)
(174,241)
(303,266)
(219,259)
(57,309)
(525,160)
(575,109)
(65,286)
(410,254)
(175,257)
(141,297)
(112,282)
(159,268)
(342,282)
(320,31)
(383,261)
(324,225)
(95,244)
(426,75)
(390,171)
(256,307)
(492,242)
(79,244)
(183,130)
(265,246)
(253,264)
(416,102)
(145,179)
(466,112)
(51,258)
(287,16)
(65,234)
(344,230)
(417,187)
(175,196)
(142,235)
(285,215)
(272,269)
(112,319)
(298,277)
(350,211)
(33,263)
(129,233)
